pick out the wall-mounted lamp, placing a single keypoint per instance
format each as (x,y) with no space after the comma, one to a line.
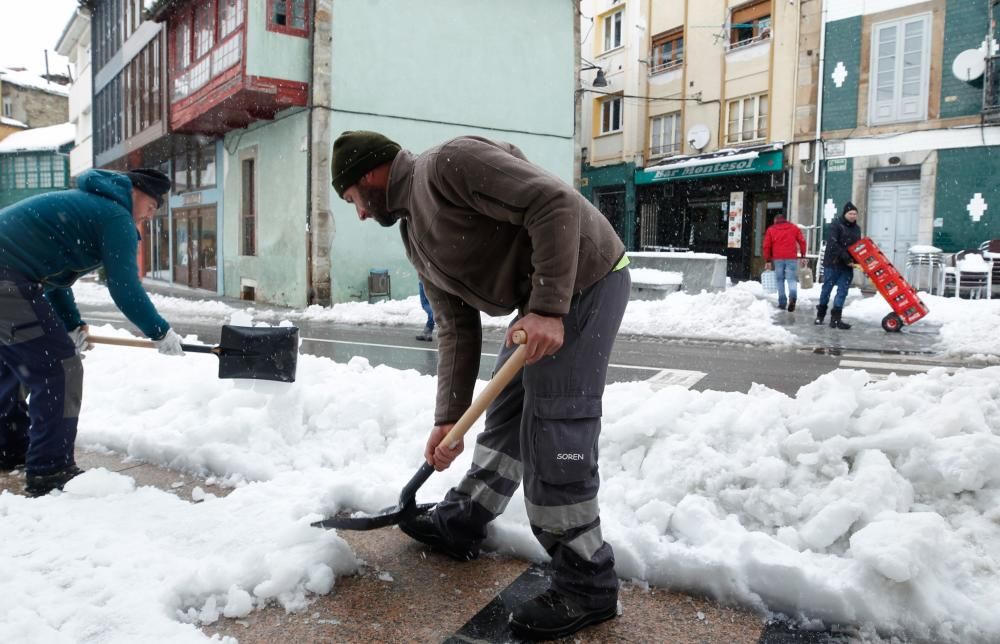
(599,79)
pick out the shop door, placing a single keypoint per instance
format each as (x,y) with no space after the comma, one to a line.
(612,205)
(195,248)
(893,218)
(707,226)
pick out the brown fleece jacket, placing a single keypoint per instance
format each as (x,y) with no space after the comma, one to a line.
(489,231)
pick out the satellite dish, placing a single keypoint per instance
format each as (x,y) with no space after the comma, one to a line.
(969,66)
(698,136)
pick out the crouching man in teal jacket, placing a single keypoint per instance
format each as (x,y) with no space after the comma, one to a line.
(46,243)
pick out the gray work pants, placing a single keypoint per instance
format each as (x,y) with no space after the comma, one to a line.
(544,428)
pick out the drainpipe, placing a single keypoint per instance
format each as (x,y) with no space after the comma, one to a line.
(819,191)
(310,291)
(319,220)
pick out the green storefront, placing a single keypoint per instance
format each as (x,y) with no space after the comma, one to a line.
(712,204)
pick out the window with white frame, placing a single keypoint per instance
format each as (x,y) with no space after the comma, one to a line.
(665,134)
(899,70)
(747,119)
(611,115)
(8,108)
(613,30)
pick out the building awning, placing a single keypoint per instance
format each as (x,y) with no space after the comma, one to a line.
(751,162)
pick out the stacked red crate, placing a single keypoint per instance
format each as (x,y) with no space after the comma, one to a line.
(887,280)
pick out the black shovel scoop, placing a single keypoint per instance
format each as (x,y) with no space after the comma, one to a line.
(259,353)
(407,505)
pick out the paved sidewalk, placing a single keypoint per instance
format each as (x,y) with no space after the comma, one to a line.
(922,337)
(406,593)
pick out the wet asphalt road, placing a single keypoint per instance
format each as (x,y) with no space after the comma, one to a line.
(701,365)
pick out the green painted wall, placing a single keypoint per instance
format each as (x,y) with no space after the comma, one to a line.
(966,23)
(279,265)
(838,185)
(422,73)
(961,174)
(618,176)
(271,54)
(840,104)
(11,195)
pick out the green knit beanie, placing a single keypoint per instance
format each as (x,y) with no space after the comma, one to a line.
(356,153)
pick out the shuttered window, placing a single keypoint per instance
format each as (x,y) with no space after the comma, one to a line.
(899,70)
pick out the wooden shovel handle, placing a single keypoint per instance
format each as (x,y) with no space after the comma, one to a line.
(147,344)
(493,388)
(122,342)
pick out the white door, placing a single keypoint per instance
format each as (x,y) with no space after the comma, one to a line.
(893,218)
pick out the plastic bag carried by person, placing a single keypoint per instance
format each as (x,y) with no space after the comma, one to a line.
(768,281)
(805,277)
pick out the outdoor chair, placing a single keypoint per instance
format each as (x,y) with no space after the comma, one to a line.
(968,271)
(991,251)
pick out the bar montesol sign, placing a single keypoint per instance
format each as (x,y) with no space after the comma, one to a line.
(765,162)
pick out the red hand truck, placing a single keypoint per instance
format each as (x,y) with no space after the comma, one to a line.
(907,308)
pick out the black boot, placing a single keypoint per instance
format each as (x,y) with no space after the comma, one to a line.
(835,321)
(422,527)
(42,484)
(11,461)
(426,335)
(552,615)
(820,314)
(791,304)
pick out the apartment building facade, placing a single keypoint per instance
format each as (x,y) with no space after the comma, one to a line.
(910,121)
(74,44)
(687,146)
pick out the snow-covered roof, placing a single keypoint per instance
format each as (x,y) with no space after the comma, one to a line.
(11,122)
(30,80)
(39,138)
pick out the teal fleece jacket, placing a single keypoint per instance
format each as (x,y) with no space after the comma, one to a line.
(56,238)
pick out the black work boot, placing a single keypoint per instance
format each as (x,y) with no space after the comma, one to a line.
(820,314)
(552,615)
(422,527)
(11,461)
(836,322)
(791,304)
(426,335)
(42,484)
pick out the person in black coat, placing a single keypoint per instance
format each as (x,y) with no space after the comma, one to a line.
(838,265)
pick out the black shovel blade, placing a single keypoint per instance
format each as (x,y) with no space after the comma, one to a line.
(260,353)
(406,508)
(388,516)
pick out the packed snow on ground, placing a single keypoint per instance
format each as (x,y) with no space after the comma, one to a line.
(872,504)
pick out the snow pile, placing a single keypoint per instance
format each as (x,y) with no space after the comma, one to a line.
(737,314)
(654,276)
(852,503)
(106,561)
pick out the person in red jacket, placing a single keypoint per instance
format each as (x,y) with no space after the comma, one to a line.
(783,246)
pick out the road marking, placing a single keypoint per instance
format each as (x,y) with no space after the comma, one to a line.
(678,377)
(889,366)
(916,359)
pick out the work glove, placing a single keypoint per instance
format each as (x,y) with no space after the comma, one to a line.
(170,344)
(81,339)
